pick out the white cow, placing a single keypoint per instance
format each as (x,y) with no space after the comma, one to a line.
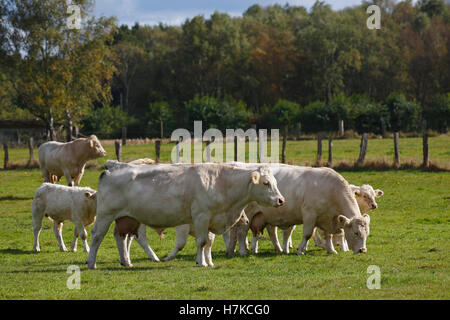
(60,203)
(210,196)
(365,197)
(58,159)
(315,197)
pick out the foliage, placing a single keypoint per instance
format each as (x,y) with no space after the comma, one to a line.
(106,122)
(438,114)
(403,114)
(368,116)
(225,113)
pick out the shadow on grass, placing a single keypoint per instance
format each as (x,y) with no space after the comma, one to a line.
(16,251)
(14,198)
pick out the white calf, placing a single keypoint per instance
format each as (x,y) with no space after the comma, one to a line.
(60,203)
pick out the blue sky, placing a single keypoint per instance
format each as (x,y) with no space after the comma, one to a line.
(175,12)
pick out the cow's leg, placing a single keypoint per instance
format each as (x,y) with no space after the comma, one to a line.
(232,239)
(309,222)
(82,233)
(46,175)
(317,240)
(37,216)
(226,238)
(290,237)
(73,247)
(287,234)
(329,243)
(57,229)
(255,243)
(273,234)
(241,234)
(121,242)
(201,226)
(182,236)
(143,242)
(68,176)
(339,239)
(98,232)
(78,177)
(209,243)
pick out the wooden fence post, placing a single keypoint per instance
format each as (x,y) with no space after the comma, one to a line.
(426,159)
(5,149)
(118,146)
(396,150)
(158,150)
(319,148)
(363,148)
(330,151)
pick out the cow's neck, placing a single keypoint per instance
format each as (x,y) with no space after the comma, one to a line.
(238,182)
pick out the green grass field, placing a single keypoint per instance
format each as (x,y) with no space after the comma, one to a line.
(409,242)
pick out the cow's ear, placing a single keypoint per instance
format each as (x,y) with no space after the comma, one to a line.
(90,195)
(379,193)
(255,177)
(366,218)
(91,143)
(356,192)
(342,221)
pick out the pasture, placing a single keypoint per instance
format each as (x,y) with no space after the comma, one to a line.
(408,241)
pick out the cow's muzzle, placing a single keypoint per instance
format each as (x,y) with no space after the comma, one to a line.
(280,202)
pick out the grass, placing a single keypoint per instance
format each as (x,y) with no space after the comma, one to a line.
(409,242)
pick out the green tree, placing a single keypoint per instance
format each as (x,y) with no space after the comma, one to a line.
(57,68)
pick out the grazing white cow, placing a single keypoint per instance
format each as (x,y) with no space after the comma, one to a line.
(365,197)
(60,203)
(210,196)
(314,197)
(58,159)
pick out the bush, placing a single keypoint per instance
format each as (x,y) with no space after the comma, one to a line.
(438,113)
(106,122)
(366,116)
(225,113)
(403,114)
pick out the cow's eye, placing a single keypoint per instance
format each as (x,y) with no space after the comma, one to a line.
(356,233)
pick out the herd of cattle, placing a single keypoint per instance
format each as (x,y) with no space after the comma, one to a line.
(201,200)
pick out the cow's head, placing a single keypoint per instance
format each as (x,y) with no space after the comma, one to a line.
(365,196)
(95,147)
(356,231)
(264,189)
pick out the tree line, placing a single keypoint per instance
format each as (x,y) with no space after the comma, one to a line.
(285,67)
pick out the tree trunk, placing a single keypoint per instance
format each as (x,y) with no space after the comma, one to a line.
(330,151)
(124,129)
(426,159)
(363,148)
(5,149)
(158,149)
(319,149)
(341,128)
(283,150)
(76,131)
(396,151)
(118,147)
(30,149)
(69,128)
(51,127)
(162,129)
(299,130)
